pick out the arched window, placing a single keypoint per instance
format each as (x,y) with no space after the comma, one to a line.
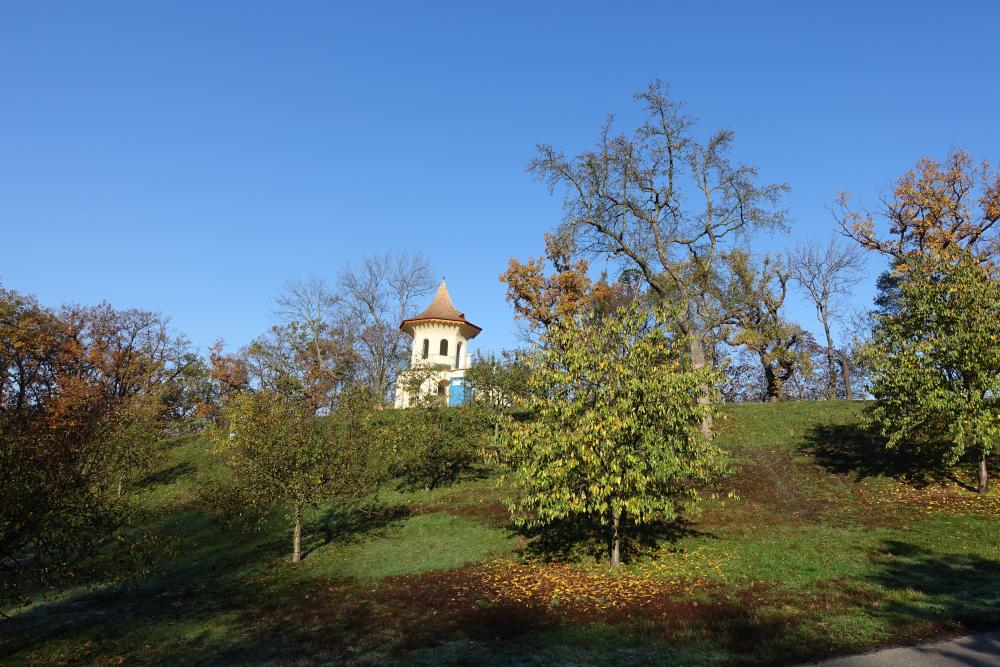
(427,348)
(458,355)
(444,347)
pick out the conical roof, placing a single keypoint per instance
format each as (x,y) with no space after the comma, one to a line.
(441,309)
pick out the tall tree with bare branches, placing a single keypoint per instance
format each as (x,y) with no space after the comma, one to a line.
(315,335)
(378,293)
(826,273)
(667,206)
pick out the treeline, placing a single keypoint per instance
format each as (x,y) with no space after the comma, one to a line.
(86,394)
(606,413)
(91,394)
(676,218)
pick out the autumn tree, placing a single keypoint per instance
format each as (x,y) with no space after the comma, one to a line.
(935,362)
(935,210)
(932,353)
(754,298)
(826,274)
(281,456)
(81,414)
(615,435)
(377,294)
(285,361)
(542,296)
(667,207)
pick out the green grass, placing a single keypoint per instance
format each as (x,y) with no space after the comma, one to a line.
(830,548)
(436,541)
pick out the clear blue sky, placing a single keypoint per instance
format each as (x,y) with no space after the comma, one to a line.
(189,157)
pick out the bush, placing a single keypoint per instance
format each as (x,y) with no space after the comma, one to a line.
(430,446)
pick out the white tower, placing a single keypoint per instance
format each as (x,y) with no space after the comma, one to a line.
(441,336)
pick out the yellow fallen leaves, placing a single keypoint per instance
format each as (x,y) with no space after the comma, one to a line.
(938,499)
(593,587)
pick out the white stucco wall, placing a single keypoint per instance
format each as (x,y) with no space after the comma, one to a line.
(434,332)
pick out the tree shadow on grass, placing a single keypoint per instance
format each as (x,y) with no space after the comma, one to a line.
(471,472)
(580,538)
(347,523)
(168,475)
(929,588)
(204,579)
(848,449)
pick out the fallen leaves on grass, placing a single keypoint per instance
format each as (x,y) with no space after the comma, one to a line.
(938,499)
(584,588)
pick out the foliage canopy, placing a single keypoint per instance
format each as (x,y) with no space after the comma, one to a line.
(615,434)
(935,361)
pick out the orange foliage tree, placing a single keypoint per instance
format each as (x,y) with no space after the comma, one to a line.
(936,209)
(543,297)
(80,416)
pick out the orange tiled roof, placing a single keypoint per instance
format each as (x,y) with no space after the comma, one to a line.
(441,308)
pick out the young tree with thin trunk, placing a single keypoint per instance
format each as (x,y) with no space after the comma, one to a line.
(280,455)
(666,206)
(826,273)
(615,435)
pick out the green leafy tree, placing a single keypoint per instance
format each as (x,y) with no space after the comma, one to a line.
(495,383)
(431,445)
(615,435)
(281,456)
(935,361)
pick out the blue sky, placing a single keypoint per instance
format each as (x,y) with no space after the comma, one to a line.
(189,157)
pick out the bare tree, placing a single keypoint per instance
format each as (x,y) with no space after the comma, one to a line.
(666,207)
(826,274)
(314,339)
(378,293)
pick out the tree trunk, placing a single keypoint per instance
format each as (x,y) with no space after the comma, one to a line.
(984,476)
(297,537)
(772,388)
(846,370)
(615,547)
(696,349)
(831,378)
(121,486)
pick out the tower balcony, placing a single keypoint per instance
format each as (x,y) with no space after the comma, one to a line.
(444,361)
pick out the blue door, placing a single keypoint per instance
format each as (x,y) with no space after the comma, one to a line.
(457,394)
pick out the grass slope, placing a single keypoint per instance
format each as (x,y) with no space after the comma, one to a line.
(830,548)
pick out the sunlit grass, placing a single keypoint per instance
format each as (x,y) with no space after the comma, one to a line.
(818,556)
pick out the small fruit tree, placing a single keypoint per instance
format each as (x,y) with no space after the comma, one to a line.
(614,434)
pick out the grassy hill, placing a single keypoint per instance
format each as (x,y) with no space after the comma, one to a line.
(829,548)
